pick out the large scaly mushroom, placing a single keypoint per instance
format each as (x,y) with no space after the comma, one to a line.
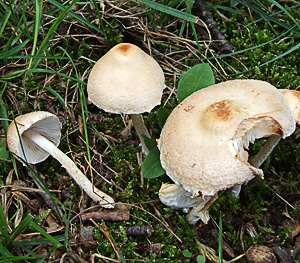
(204,139)
(127,80)
(40,135)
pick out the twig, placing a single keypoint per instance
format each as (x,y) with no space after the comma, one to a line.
(103,257)
(207,16)
(119,213)
(104,229)
(225,246)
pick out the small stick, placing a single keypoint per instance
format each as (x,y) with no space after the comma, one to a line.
(104,229)
(119,213)
(226,47)
(229,251)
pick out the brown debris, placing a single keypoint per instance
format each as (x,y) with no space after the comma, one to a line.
(71,257)
(146,231)
(86,237)
(156,249)
(121,212)
(260,254)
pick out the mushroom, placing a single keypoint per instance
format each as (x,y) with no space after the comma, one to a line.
(127,80)
(203,141)
(40,135)
(293,99)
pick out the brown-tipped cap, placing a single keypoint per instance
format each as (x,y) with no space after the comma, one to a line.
(42,122)
(126,80)
(202,143)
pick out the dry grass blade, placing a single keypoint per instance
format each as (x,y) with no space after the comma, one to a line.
(208,252)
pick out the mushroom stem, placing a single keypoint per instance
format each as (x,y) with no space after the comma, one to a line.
(258,160)
(265,151)
(139,125)
(201,211)
(97,195)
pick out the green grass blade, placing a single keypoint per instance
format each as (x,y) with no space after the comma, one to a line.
(48,254)
(3,223)
(21,227)
(268,17)
(26,249)
(285,11)
(45,234)
(251,48)
(220,239)
(38,241)
(66,235)
(277,13)
(281,56)
(38,16)
(52,30)
(41,56)
(42,185)
(13,16)
(84,109)
(168,10)
(83,102)
(225,8)
(4,252)
(77,17)
(3,112)
(17,258)
(61,100)
(4,23)
(266,63)
(13,51)
(18,73)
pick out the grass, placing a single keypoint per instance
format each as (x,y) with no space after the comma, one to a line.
(47,51)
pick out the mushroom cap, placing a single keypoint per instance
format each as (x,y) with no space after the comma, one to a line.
(126,80)
(293,99)
(45,123)
(176,197)
(202,142)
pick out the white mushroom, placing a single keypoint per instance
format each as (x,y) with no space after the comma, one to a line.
(40,135)
(127,80)
(204,139)
(293,99)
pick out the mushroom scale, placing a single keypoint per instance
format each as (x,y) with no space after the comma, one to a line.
(203,141)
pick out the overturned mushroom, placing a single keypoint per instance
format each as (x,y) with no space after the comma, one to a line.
(127,80)
(40,135)
(204,139)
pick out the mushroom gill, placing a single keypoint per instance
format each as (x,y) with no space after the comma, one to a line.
(251,129)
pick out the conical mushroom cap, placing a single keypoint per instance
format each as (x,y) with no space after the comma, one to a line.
(203,140)
(44,123)
(126,80)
